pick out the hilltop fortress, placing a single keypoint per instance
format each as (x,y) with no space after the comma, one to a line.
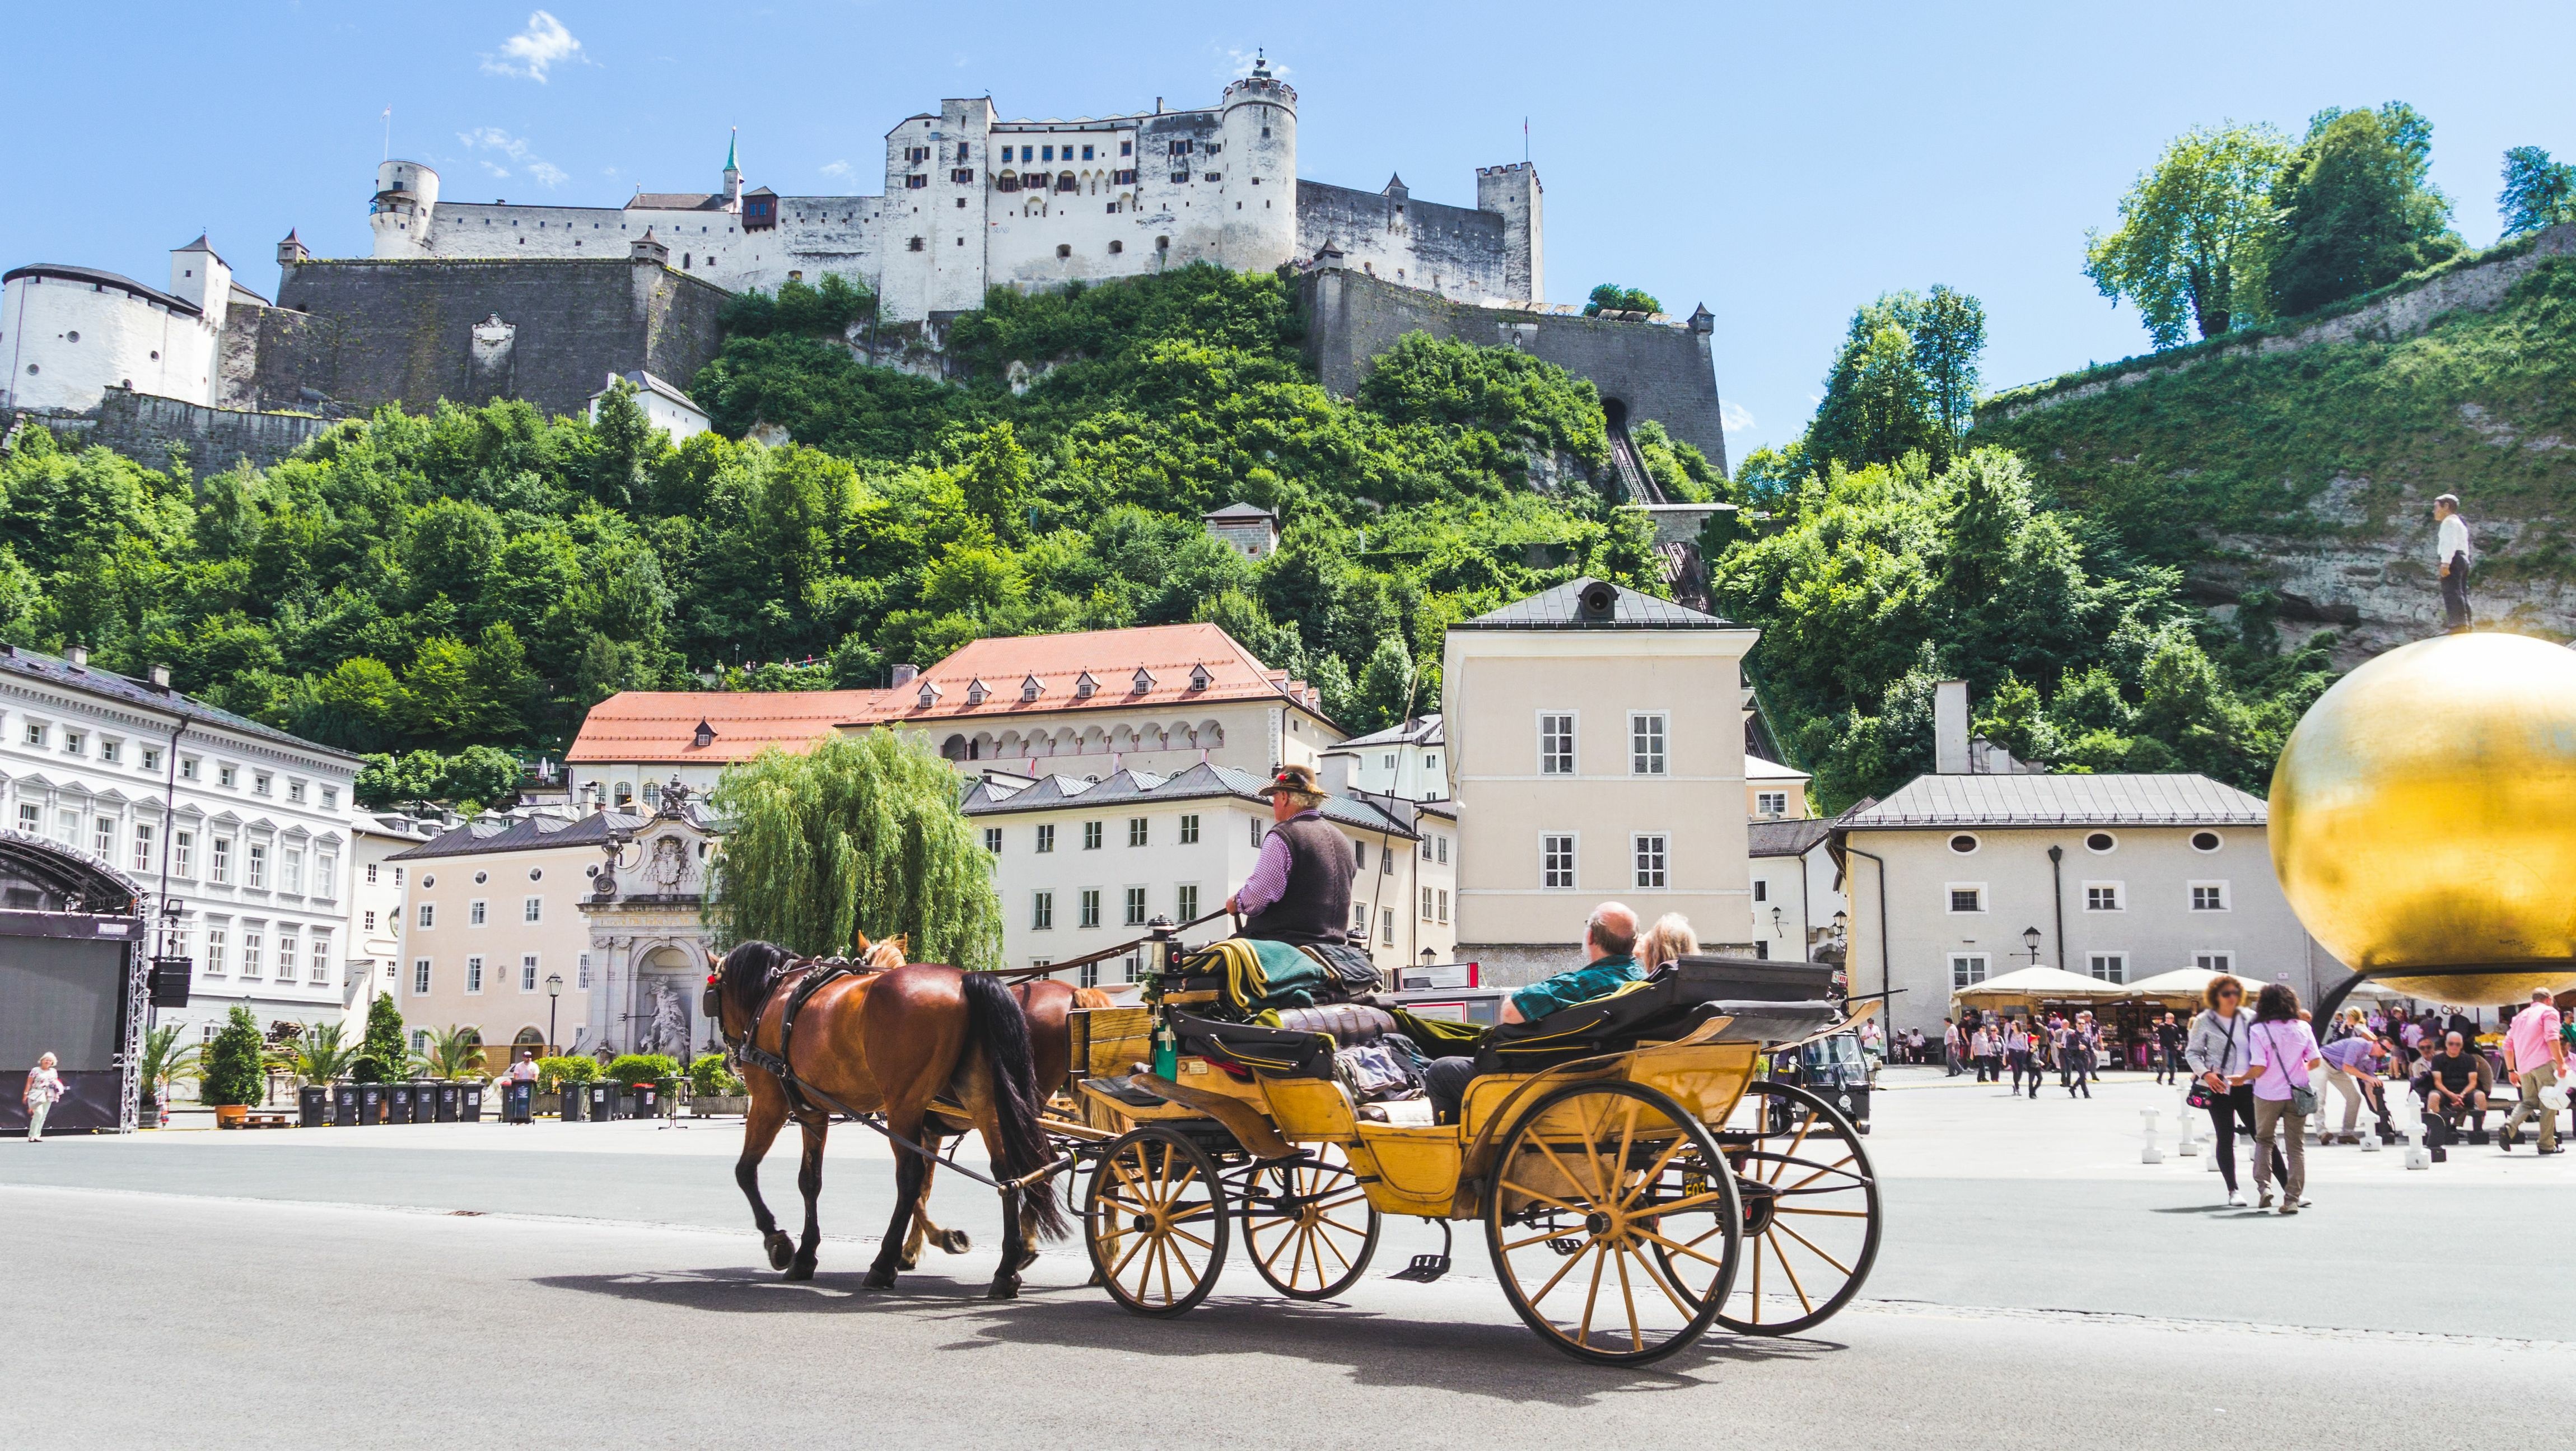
(972,201)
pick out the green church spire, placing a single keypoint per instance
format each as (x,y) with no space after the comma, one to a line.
(731,142)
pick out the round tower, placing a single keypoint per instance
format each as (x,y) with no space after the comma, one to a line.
(404,209)
(1258,121)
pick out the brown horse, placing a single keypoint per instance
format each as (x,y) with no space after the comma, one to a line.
(888,1043)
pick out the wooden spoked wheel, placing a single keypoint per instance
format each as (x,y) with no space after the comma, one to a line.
(1154,1221)
(1811,1210)
(1308,1224)
(1597,1188)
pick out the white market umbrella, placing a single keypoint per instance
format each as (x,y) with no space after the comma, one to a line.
(2188,982)
(2047,983)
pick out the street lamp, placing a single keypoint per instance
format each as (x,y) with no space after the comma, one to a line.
(554,990)
(2030,939)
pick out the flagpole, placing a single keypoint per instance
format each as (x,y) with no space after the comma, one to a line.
(389,133)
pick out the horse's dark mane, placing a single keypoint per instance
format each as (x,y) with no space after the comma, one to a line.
(749,972)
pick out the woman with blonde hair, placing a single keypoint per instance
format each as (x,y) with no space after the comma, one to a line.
(1669,938)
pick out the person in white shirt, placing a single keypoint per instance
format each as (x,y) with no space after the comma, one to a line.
(2451,554)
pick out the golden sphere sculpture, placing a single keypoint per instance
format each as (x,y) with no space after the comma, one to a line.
(2423,819)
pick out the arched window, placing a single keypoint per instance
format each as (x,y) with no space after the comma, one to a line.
(954,748)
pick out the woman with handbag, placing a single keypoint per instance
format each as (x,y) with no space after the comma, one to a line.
(2217,1053)
(2283,1057)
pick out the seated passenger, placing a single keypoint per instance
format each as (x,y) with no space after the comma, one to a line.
(1671,937)
(1610,942)
(1300,888)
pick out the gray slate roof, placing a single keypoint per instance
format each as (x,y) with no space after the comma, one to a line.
(90,679)
(1422,730)
(528,833)
(1788,838)
(1200,782)
(2178,799)
(97,277)
(1555,609)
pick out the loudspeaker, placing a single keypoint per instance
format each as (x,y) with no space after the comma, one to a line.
(170,981)
(1598,601)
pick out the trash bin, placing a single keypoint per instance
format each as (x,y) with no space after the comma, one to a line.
(648,1099)
(570,1101)
(601,1095)
(398,1103)
(371,1103)
(469,1103)
(344,1105)
(515,1103)
(313,1106)
(446,1101)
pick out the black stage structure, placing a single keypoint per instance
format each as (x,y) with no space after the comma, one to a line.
(74,981)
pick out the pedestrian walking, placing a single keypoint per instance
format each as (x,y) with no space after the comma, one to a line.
(2217,1053)
(2283,1055)
(44,1090)
(2535,1056)
(2168,1050)
(2035,1044)
(2452,553)
(2016,1052)
(1951,1048)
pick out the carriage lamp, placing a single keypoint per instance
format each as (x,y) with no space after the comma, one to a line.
(554,990)
(2030,940)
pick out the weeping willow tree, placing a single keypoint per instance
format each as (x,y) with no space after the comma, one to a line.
(860,835)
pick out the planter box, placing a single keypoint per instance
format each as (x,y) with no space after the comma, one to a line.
(709,1104)
(231,1115)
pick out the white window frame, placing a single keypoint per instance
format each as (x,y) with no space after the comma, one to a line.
(216,931)
(532,909)
(1134,904)
(102,837)
(1950,904)
(1561,758)
(183,855)
(1185,897)
(2226,897)
(255,865)
(1386,927)
(1139,831)
(2215,960)
(1092,835)
(1046,836)
(1770,803)
(420,977)
(581,972)
(252,970)
(428,916)
(1189,830)
(1650,743)
(2118,971)
(993,840)
(1087,908)
(1967,969)
(144,833)
(474,976)
(1652,861)
(527,972)
(1444,906)
(1042,911)
(318,968)
(2119,893)
(1573,854)
(478,912)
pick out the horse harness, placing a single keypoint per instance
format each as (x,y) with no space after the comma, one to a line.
(818,972)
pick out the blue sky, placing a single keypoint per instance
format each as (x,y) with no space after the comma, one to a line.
(1781,163)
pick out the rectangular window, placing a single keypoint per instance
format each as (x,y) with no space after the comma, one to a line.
(326,876)
(1185,901)
(420,977)
(370,923)
(581,972)
(1651,862)
(1965,898)
(1091,836)
(528,973)
(215,950)
(398,876)
(1089,975)
(1967,969)
(1136,831)
(1771,803)
(2214,961)
(1135,906)
(286,946)
(73,741)
(1255,824)
(1041,911)
(1556,861)
(474,974)
(35,734)
(1386,928)
(1444,849)
(143,831)
(1761,890)
(371,874)
(187,768)
(290,869)
(2209,896)
(250,953)
(2108,966)
(1444,906)
(259,782)
(1426,904)
(31,819)
(1046,838)
(1359,920)
(330,798)
(1190,831)
(1090,906)
(1426,848)
(110,752)
(1556,745)
(533,910)
(295,791)
(318,970)
(1126,148)
(102,838)
(67,827)
(151,759)
(1646,744)
(255,874)
(420,1040)
(475,915)
(993,840)
(2101,896)
(183,848)
(428,915)
(1359,854)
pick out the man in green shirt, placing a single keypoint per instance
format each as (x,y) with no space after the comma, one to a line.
(1610,947)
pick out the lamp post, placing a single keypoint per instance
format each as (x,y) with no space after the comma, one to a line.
(2030,940)
(554,990)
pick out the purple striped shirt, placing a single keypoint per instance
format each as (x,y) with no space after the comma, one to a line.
(1269,879)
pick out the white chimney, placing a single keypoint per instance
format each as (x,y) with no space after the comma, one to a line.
(1950,727)
(904,675)
(78,655)
(161,677)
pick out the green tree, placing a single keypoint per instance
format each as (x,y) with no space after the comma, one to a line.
(323,1054)
(1611,297)
(1948,329)
(232,1062)
(454,1052)
(1877,406)
(1386,689)
(2193,232)
(2357,209)
(2538,192)
(861,835)
(165,1060)
(382,1052)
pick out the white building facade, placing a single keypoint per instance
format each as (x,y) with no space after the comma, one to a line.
(68,334)
(1408,761)
(251,829)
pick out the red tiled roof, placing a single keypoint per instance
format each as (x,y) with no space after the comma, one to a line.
(1111,657)
(662,725)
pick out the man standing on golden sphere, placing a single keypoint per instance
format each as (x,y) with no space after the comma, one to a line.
(2451,550)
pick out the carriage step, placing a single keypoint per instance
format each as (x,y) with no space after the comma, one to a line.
(1423,1270)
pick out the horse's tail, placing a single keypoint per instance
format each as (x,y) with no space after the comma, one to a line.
(995,1023)
(747,974)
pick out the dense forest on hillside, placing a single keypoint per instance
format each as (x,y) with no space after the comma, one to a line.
(480,576)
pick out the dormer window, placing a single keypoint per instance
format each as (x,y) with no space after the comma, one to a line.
(1143,680)
(705,737)
(1199,677)
(929,695)
(1031,688)
(1084,686)
(975,692)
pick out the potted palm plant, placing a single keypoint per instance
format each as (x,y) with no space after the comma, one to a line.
(322,1057)
(165,1061)
(455,1054)
(232,1077)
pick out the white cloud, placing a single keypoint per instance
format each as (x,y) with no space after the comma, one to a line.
(1735,417)
(1242,64)
(547,172)
(840,170)
(515,149)
(529,54)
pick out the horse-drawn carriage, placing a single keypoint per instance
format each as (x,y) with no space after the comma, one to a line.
(1638,1176)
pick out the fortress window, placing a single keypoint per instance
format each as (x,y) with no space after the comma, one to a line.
(1180,148)
(1216,176)
(1126,148)
(1179,176)
(914,244)
(1162,244)
(1086,153)
(961,204)
(962,176)
(1126,178)
(1024,153)
(1214,147)
(1047,153)
(916,181)
(1116,247)
(1265,133)
(1065,182)
(1064,249)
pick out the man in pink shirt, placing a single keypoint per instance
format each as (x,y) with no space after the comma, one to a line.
(2533,1057)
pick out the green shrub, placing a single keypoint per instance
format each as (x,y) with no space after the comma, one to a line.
(233,1073)
(381,1054)
(708,1077)
(634,1068)
(554,1073)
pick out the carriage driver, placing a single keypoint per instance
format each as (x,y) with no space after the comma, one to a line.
(1300,889)
(1610,946)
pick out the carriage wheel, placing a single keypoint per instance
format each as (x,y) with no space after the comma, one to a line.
(1596,1187)
(1308,1224)
(1811,1211)
(1155,1222)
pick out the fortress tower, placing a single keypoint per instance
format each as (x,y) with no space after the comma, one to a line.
(1258,124)
(405,207)
(1512,191)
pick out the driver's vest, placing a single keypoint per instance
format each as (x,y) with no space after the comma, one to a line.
(1316,907)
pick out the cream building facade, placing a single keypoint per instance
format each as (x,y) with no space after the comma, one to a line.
(1596,737)
(378,889)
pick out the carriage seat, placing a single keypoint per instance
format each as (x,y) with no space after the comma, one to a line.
(1352,1025)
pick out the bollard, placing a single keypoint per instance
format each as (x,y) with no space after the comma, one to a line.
(2190,1125)
(2410,1127)
(2148,1152)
